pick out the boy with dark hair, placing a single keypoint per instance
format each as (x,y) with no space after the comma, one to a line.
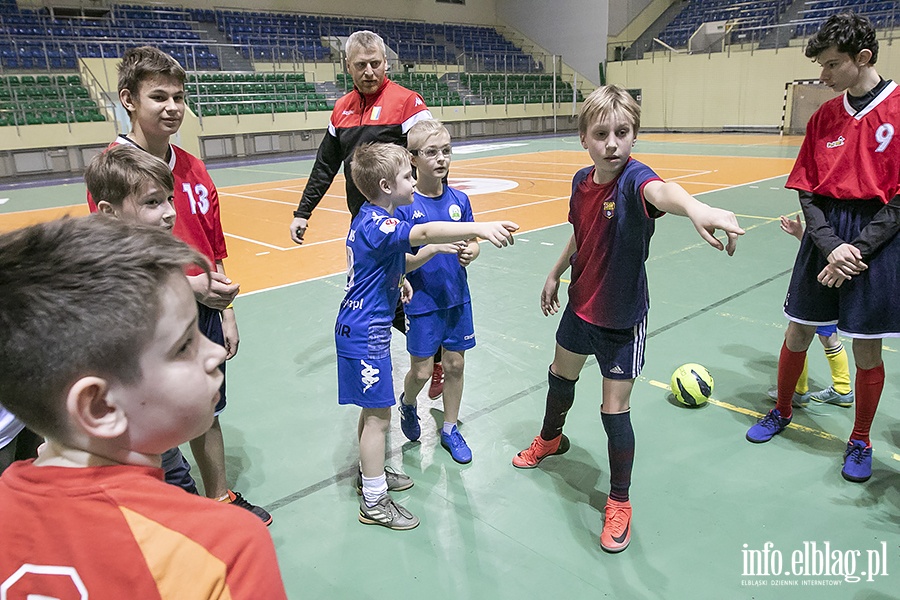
(101,354)
(136,187)
(848,176)
(377,245)
(613,209)
(440,313)
(151,88)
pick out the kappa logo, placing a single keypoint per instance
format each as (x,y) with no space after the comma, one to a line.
(836,143)
(455,212)
(369,375)
(377,217)
(418,101)
(389,225)
(347,113)
(418,214)
(617,370)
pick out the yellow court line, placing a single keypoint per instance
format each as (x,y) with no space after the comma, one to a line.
(752,413)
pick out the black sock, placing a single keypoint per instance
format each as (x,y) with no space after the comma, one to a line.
(438,354)
(560,397)
(620,445)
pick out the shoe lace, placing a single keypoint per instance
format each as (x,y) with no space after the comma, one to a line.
(616,517)
(240,501)
(771,420)
(856,453)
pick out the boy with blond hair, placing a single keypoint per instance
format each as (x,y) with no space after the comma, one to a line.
(614,205)
(439,315)
(377,245)
(101,355)
(151,89)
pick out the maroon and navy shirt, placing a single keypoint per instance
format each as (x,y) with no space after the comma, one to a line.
(384,116)
(613,225)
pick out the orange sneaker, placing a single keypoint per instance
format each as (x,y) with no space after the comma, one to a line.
(617,529)
(539,450)
(436,389)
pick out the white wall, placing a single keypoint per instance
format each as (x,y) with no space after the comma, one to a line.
(623,12)
(574,29)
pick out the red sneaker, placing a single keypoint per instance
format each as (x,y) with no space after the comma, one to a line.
(617,529)
(539,450)
(436,389)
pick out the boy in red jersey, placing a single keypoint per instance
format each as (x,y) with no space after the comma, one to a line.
(151,88)
(613,209)
(848,177)
(101,355)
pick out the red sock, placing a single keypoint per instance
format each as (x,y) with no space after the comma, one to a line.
(790,365)
(869,383)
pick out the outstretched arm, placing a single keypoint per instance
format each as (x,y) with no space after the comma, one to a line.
(550,292)
(499,233)
(672,198)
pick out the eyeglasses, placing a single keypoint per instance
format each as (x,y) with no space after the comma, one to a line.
(432,152)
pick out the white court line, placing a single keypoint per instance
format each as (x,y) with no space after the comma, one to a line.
(493,210)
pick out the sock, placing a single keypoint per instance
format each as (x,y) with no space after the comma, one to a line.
(226,498)
(373,489)
(803,383)
(840,368)
(448,427)
(403,399)
(869,383)
(790,365)
(560,397)
(620,445)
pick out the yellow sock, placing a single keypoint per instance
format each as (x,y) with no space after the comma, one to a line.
(840,368)
(803,383)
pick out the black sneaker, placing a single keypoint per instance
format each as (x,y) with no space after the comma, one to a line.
(259,511)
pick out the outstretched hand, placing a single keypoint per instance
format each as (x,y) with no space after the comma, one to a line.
(792,226)
(708,219)
(499,233)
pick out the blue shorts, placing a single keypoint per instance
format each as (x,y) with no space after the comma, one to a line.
(619,352)
(864,306)
(365,382)
(451,328)
(826,330)
(210,324)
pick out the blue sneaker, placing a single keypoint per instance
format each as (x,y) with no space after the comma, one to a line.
(456,446)
(409,420)
(857,461)
(767,427)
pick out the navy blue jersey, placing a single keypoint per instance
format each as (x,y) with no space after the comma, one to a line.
(441,282)
(376,259)
(613,225)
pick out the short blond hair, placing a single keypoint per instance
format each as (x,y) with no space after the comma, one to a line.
(605,101)
(364,39)
(123,171)
(373,163)
(419,133)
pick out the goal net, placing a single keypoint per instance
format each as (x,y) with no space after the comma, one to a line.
(801,99)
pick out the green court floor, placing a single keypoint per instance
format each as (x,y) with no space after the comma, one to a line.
(706,502)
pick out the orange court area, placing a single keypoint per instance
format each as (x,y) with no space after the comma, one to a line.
(531,189)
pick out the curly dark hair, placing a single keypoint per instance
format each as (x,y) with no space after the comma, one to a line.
(850,32)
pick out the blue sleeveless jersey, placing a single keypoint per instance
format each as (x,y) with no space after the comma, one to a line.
(613,225)
(441,282)
(376,259)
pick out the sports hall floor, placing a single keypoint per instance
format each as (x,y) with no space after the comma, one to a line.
(703,497)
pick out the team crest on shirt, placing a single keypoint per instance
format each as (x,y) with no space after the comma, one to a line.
(388,225)
(609,209)
(835,143)
(455,212)
(376,112)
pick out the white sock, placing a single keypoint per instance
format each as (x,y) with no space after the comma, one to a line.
(373,489)
(448,427)
(403,400)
